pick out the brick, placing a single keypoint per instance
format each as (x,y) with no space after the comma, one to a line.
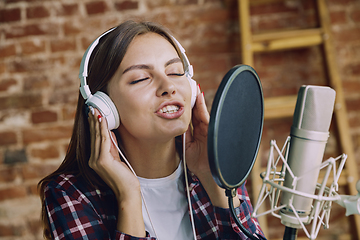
(271,60)
(354,121)
(186,2)
(24,64)
(68,112)
(20,101)
(62,45)
(35,226)
(31,47)
(13,193)
(351,87)
(8,174)
(347,35)
(85,42)
(46,134)
(339,3)
(7,138)
(37,12)
(36,82)
(126,5)
(215,64)
(66,96)
(338,17)
(215,16)
(271,8)
(43,116)
(34,29)
(353,104)
(7,50)
(34,171)
(6,230)
(153,4)
(10,15)
(355,15)
(96,7)
(67,80)
(71,28)
(45,152)
(68,10)
(2,67)
(353,70)
(6,84)
(33,190)
(15,156)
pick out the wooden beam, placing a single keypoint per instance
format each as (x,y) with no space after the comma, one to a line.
(287,43)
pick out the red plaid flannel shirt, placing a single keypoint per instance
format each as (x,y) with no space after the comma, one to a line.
(77,211)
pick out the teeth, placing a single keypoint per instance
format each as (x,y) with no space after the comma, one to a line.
(169,109)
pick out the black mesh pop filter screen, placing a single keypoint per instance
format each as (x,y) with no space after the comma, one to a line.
(235,128)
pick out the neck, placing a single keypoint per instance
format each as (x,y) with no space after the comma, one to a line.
(151,159)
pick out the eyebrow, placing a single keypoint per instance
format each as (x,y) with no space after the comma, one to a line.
(144,66)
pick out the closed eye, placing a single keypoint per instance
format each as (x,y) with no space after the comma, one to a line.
(177,74)
(139,80)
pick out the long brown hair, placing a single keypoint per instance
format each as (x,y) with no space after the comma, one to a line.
(103,63)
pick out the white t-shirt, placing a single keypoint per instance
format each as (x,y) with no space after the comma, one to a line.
(168,208)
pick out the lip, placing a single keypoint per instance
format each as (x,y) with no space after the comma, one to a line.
(174,115)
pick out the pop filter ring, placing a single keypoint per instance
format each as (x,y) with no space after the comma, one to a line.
(235,126)
(246,118)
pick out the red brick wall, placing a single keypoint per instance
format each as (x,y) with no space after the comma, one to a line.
(41,45)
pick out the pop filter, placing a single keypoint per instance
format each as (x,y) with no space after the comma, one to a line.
(235,127)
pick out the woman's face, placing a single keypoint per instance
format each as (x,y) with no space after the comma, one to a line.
(150,90)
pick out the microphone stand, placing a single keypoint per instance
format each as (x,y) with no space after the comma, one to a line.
(290,233)
(231,193)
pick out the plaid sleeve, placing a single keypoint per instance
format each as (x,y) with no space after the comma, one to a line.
(72,216)
(244,212)
(217,223)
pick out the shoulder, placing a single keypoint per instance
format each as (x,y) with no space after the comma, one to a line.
(70,186)
(63,182)
(77,188)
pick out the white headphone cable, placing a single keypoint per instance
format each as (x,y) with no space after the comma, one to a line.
(188,190)
(132,170)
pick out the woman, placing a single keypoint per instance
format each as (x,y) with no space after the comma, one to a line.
(95,195)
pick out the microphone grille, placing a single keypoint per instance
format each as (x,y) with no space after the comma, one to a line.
(314,108)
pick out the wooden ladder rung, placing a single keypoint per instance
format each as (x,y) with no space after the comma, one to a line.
(279,107)
(290,39)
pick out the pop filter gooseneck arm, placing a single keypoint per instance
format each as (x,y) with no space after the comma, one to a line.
(235,128)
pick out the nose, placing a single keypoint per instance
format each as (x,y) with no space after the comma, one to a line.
(166,87)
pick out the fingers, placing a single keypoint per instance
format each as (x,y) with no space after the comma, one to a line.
(92,134)
(99,135)
(200,112)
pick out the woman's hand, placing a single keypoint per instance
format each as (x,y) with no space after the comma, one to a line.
(105,161)
(196,138)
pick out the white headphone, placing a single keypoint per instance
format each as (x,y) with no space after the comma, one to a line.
(102,101)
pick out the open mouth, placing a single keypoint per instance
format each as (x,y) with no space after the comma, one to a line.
(169,109)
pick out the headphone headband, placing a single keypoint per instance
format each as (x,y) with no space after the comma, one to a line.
(187,66)
(84,88)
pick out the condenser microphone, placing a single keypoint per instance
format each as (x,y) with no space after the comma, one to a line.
(308,137)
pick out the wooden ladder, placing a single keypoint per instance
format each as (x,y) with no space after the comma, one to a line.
(279,107)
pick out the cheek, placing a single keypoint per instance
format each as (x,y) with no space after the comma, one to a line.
(134,109)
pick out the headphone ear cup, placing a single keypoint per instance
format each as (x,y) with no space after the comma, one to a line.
(193,86)
(105,105)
